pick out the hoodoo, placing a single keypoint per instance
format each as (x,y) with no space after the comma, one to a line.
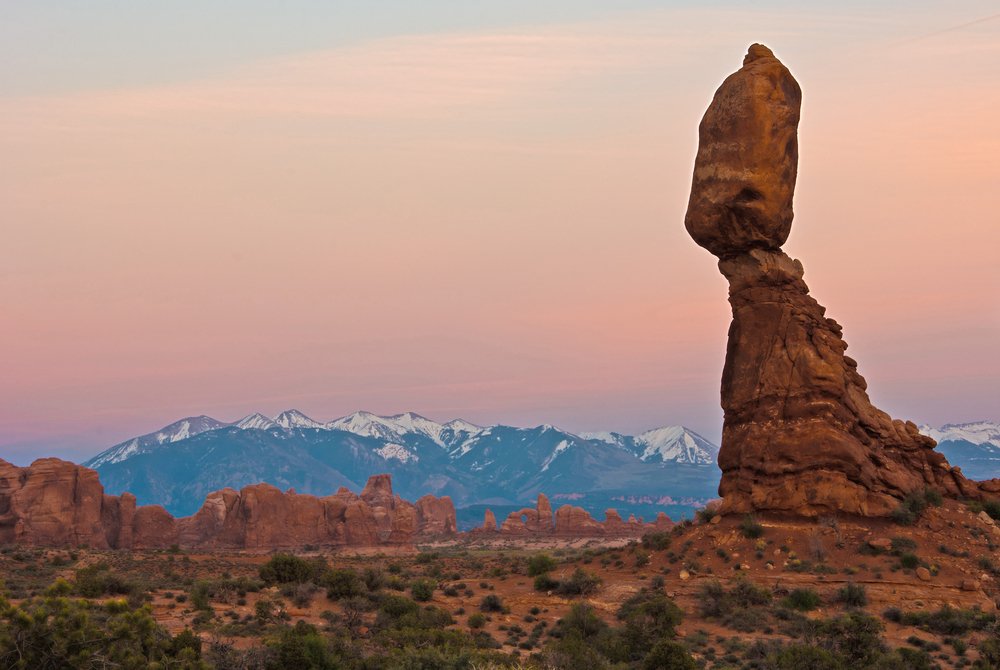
(800,433)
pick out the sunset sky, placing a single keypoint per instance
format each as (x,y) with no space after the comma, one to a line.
(468,209)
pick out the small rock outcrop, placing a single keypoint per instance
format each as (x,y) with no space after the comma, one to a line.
(55,503)
(800,433)
(569,522)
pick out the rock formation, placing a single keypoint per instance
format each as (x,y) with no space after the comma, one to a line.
(800,433)
(55,503)
(569,521)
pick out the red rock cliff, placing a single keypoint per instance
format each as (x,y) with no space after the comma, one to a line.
(56,503)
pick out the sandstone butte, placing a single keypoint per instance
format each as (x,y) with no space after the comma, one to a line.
(55,503)
(800,434)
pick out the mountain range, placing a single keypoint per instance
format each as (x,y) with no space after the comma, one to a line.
(670,469)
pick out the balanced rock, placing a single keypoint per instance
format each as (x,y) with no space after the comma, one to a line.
(800,433)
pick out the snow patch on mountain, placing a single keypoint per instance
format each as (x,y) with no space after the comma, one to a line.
(398,452)
(561,447)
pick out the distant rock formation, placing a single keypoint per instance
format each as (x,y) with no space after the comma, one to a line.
(568,522)
(55,503)
(800,433)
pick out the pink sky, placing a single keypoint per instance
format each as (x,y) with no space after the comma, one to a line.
(487,225)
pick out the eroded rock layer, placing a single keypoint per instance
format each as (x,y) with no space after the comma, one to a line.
(800,432)
(55,503)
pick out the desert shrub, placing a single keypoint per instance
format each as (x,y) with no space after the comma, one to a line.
(477,620)
(647,617)
(913,506)
(853,595)
(287,568)
(669,654)
(545,583)
(301,646)
(713,601)
(750,528)
(540,564)
(581,620)
(422,590)
(855,637)
(803,600)
(945,621)
(302,594)
(580,583)
(342,583)
(373,578)
(804,657)
(901,545)
(909,561)
(98,580)
(61,632)
(658,541)
(491,603)
(745,594)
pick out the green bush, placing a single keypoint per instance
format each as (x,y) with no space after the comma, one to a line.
(60,632)
(804,657)
(540,564)
(545,583)
(422,590)
(477,620)
(491,603)
(853,595)
(342,583)
(803,600)
(580,583)
(669,655)
(659,541)
(288,568)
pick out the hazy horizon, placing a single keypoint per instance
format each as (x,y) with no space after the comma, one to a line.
(470,213)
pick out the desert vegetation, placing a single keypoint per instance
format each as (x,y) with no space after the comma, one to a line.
(738,593)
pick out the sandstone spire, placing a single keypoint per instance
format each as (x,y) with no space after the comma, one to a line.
(800,433)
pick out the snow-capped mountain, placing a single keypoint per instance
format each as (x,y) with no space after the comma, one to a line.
(675,444)
(397,426)
(255,422)
(179,464)
(974,447)
(976,432)
(293,418)
(179,430)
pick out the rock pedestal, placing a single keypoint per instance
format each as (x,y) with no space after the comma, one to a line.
(800,433)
